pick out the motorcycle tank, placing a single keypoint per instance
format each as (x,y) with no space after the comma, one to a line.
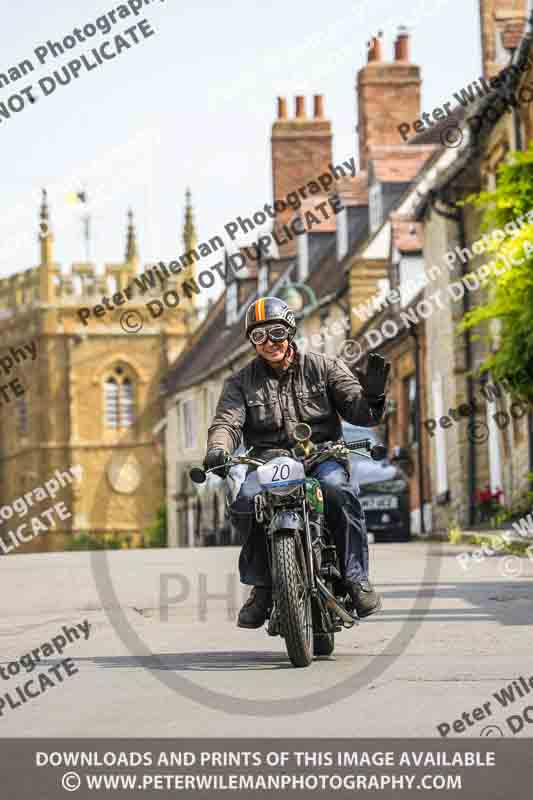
(314,495)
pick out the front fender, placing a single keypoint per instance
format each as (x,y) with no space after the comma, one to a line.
(286,520)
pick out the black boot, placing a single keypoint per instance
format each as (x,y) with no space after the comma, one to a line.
(254,612)
(364,597)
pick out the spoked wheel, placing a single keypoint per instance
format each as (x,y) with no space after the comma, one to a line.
(294,601)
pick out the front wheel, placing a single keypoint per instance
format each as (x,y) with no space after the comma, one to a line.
(294,600)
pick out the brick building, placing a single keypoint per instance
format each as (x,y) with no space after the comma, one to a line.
(399,219)
(469,451)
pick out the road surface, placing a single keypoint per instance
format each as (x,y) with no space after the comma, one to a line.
(445,641)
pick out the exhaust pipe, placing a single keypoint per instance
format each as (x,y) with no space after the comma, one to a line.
(331,602)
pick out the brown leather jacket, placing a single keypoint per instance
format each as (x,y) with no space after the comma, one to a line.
(263,405)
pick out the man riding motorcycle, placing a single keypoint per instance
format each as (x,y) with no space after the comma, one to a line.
(262,403)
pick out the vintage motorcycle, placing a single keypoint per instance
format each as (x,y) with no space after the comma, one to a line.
(309,604)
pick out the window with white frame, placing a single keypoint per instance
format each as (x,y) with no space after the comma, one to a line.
(190,525)
(231,303)
(342,233)
(262,279)
(410,403)
(412,277)
(188,421)
(303,257)
(119,400)
(440,436)
(111,391)
(126,404)
(212,400)
(375,207)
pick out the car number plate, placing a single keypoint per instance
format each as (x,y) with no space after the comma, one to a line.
(372,503)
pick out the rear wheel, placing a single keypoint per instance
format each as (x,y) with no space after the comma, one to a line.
(294,600)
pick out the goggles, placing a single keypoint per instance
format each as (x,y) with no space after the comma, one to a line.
(276,333)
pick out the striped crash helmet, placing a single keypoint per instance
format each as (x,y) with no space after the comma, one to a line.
(269,309)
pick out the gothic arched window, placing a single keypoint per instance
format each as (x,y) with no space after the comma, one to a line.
(119,400)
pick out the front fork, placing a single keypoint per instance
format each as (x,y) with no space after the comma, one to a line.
(290,521)
(316,587)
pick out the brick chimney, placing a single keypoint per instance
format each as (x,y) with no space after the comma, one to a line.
(502,27)
(301,151)
(388,93)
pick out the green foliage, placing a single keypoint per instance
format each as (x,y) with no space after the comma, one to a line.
(455,535)
(517,547)
(513,196)
(510,293)
(87,541)
(156,536)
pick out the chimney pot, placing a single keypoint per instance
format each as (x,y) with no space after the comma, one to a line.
(318,106)
(384,101)
(282,108)
(374,52)
(401,45)
(300,107)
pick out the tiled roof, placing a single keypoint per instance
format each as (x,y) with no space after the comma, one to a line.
(435,134)
(399,163)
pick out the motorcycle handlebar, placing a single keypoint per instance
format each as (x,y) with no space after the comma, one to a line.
(377,453)
(198,475)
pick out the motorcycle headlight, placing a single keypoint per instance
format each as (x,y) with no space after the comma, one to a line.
(284,490)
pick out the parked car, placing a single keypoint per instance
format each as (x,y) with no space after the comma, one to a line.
(383,490)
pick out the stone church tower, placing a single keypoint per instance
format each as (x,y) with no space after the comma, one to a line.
(90,397)
(190,272)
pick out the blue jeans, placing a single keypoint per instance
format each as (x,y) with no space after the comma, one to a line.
(344,518)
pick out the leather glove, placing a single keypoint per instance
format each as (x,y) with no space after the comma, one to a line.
(374,381)
(216,457)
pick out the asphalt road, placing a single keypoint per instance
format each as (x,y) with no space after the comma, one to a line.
(445,641)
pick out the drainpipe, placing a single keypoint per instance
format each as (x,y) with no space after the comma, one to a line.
(472,460)
(519,144)
(458,218)
(418,382)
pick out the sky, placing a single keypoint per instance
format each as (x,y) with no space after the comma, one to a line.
(191,105)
